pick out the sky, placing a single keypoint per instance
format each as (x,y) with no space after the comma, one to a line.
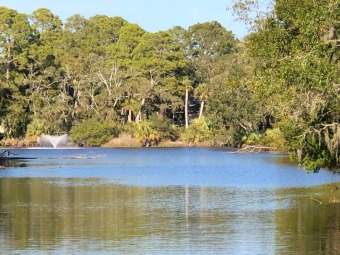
(152,15)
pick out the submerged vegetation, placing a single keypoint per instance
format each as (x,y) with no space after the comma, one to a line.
(101,78)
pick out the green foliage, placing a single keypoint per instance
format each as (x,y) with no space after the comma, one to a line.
(217,41)
(291,130)
(146,134)
(56,78)
(273,138)
(313,163)
(164,128)
(296,75)
(37,127)
(320,147)
(222,137)
(253,138)
(197,132)
(92,132)
(232,109)
(239,136)
(15,120)
(101,67)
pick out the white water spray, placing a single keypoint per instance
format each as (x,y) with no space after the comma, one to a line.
(54,140)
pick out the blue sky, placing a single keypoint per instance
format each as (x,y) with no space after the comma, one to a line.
(152,15)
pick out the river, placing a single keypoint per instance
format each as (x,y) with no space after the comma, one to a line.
(165,201)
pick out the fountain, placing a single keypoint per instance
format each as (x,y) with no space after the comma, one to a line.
(54,140)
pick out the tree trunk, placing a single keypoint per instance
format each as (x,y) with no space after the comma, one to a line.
(201,110)
(139,115)
(186,107)
(130,115)
(8,64)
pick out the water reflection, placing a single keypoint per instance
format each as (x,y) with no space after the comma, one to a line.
(92,215)
(311,226)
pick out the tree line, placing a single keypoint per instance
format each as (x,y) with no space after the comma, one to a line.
(100,77)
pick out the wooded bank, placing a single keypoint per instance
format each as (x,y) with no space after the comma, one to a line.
(103,77)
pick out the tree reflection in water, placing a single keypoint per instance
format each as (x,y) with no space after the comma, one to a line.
(91,215)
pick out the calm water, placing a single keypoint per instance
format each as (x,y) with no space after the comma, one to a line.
(165,201)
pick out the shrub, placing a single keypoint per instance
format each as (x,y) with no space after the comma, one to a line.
(124,140)
(37,127)
(271,138)
(164,128)
(253,139)
(92,132)
(146,134)
(274,138)
(197,132)
(222,137)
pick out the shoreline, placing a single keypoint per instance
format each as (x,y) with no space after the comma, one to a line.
(250,149)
